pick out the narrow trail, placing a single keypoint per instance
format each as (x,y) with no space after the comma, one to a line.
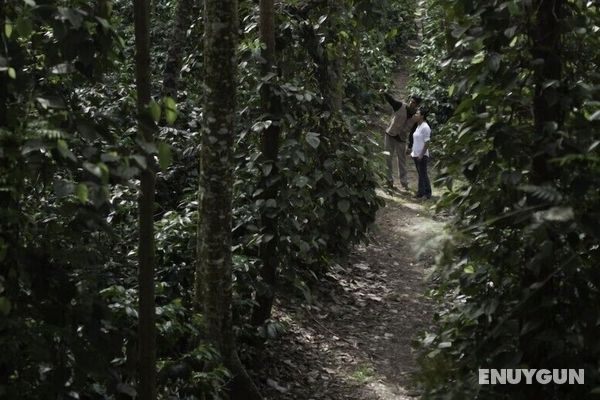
(355,340)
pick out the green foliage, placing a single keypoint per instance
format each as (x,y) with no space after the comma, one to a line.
(54,176)
(326,199)
(70,160)
(431,71)
(518,283)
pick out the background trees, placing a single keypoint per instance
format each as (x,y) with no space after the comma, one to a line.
(73,168)
(515,91)
(214,274)
(519,158)
(146,253)
(271,107)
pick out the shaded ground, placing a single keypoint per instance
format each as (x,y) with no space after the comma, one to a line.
(355,341)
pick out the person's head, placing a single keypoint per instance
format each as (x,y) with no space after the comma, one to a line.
(421,114)
(415,102)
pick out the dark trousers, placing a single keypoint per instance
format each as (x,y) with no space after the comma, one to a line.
(424,185)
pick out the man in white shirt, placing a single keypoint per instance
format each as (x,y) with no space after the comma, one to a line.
(420,153)
(396,136)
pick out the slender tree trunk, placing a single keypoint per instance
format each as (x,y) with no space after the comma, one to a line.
(334,85)
(450,40)
(213,277)
(546,38)
(104,8)
(3,96)
(547,48)
(12,178)
(328,58)
(547,110)
(8,177)
(3,74)
(146,328)
(186,13)
(271,105)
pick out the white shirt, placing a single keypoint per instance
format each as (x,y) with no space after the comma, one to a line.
(421,136)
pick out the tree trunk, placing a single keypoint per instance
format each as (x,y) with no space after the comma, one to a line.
(146,328)
(3,74)
(328,58)
(450,40)
(3,95)
(547,110)
(104,8)
(546,38)
(271,106)
(186,13)
(213,283)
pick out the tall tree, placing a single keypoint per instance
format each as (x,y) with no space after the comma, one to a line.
(213,281)
(185,14)
(146,259)
(271,106)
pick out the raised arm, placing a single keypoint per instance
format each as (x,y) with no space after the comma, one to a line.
(396,105)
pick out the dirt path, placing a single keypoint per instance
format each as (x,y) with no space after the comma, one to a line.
(355,340)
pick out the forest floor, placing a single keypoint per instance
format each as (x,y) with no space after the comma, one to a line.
(355,340)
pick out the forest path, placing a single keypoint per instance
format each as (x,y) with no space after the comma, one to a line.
(355,340)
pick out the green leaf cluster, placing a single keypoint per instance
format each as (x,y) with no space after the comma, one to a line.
(517,283)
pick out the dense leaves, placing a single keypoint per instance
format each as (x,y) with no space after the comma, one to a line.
(70,163)
(519,158)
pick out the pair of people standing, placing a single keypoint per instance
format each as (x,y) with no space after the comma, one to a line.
(397,136)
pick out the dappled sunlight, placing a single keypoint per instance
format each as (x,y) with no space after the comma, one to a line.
(427,236)
(355,341)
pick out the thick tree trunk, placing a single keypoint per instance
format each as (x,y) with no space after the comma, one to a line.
(213,277)
(271,105)
(146,328)
(186,13)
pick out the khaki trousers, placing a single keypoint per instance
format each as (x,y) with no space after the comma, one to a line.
(398,149)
